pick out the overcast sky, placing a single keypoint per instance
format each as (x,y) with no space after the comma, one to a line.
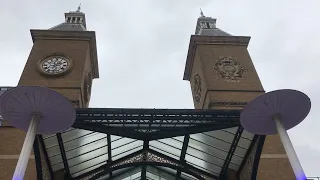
(142,49)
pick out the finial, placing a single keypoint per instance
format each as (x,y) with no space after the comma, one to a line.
(79,8)
(201,13)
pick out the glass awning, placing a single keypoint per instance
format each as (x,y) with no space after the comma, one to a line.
(114,143)
(87,150)
(207,151)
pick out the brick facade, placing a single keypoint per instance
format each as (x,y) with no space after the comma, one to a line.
(11,144)
(71,85)
(216,91)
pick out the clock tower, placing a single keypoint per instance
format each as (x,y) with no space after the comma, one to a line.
(63,58)
(222,76)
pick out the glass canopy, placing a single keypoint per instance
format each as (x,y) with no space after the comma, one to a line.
(87,150)
(110,143)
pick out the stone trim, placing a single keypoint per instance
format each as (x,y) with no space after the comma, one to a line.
(273,156)
(227,104)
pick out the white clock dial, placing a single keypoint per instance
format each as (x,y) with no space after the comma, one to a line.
(55,65)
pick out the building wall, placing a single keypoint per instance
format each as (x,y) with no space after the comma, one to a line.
(216,89)
(71,85)
(274,163)
(11,141)
(209,54)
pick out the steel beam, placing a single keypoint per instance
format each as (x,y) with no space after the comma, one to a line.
(232,149)
(64,157)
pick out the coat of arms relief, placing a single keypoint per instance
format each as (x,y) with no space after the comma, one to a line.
(197,89)
(229,69)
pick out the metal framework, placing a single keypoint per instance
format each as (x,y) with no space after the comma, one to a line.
(156,123)
(148,126)
(171,141)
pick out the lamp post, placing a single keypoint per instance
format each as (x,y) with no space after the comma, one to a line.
(35,110)
(274,113)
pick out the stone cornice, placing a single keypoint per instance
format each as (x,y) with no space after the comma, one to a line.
(210,40)
(72,35)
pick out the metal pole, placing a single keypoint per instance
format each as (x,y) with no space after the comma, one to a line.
(26,148)
(293,158)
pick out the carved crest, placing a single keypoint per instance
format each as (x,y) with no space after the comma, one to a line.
(197,87)
(229,69)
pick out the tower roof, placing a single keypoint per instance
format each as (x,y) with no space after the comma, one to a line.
(207,33)
(206,26)
(74,21)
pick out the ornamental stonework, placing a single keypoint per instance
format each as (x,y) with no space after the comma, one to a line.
(213,105)
(229,69)
(197,88)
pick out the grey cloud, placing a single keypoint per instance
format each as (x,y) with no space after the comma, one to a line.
(142,48)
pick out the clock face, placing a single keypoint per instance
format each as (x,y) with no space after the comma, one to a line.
(55,65)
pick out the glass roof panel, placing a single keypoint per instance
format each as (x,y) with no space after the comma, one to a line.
(209,150)
(221,135)
(84,148)
(92,161)
(206,155)
(127,173)
(87,167)
(234,166)
(237,158)
(208,144)
(104,177)
(135,176)
(167,172)
(179,138)
(126,150)
(174,142)
(155,176)
(118,142)
(75,134)
(246,134)
(124,146)
(162,173)
(244,143)
(203,164)
(187,176)
(114,138)
(169,146)
(51,143)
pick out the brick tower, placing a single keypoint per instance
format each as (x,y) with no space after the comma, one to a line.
(63,58)
(222,76)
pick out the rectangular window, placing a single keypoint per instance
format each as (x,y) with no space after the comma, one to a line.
(211,25)
(203,25)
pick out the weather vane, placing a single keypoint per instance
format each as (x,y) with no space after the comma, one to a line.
(79,8)
(201,13)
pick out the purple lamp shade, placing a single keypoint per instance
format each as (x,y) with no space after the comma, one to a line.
(18,104)
(290,105)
